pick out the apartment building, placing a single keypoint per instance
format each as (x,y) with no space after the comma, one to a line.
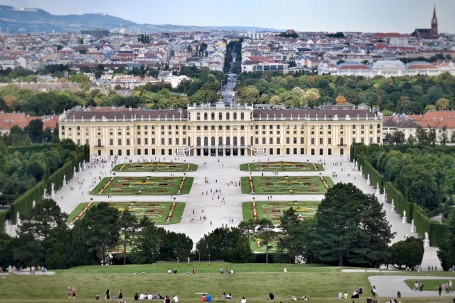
(206,130)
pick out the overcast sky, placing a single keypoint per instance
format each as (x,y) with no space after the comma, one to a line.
(303,15)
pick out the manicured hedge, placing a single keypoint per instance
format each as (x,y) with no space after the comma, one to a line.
(375,177)
(438,233)
(24,204)
(36,148)
(421,221)
(3,215)
(399,201)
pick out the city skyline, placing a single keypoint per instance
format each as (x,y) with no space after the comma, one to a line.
(302,15)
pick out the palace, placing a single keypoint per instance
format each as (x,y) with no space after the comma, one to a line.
(206,130)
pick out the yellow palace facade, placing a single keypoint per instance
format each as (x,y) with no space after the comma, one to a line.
(206,130)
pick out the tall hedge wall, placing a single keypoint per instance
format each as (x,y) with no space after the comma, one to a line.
(438,233)
(421,221)
(24,204)
(3,215)
(401,204)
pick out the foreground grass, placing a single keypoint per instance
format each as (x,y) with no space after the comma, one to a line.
(254,281)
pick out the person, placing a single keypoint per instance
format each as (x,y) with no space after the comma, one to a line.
(120,296)
(108,296)
(175,298)
(97,297)
(340,295)
(373,291)
(345,295)
(285,270)
(440,289)
(243,300)
(204,298)
(73,292)
(271,296)
(68,292)
(416,285)
(398,294)
(167,300)
(136,297)
(421,286)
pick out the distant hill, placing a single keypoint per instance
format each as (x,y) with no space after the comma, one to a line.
(33,20)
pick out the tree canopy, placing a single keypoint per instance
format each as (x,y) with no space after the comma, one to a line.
(350,228)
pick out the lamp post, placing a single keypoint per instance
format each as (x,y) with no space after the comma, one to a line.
(209,259)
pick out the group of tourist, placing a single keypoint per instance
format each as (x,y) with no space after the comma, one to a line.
(155,296)
(445,287)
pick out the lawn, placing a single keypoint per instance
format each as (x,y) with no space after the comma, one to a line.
(159,212)
(143,186)
(286,185)
(254,281)
(155,167)
(428,284)
(281,166)
(274,210)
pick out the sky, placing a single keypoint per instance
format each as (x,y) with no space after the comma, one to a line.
(401,16)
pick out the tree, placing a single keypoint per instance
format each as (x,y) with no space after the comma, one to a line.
(446,253)
(38,236)
(444,138)
(265,232)
(389,138)
(340,100)
(97,232)
(249,94)
(408,252)
(247,227)
(432,136)
(174,245)
(398,137)
(127,223)
(411,140)
(6,250)
(35,130)
(146,248)
(295,239)
(419,185)
(228,244)
(442,104)
(421,135)
(350,228)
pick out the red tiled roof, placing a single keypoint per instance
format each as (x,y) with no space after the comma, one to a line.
(8,120)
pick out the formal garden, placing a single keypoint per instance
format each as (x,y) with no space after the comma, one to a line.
(273,211)
(143,186)
(160,213)
(281,166)
(155,167)
(286,185)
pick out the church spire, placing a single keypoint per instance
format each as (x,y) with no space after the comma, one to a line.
(434,23)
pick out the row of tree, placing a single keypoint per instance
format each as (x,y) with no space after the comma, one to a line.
(425,175)
(45,239)
(408,94)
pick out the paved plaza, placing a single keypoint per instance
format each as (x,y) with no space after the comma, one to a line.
(216,195)
(220,199)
